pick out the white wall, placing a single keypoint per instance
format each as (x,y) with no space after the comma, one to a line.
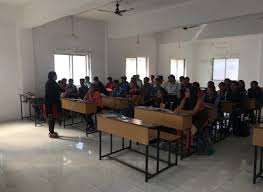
(57,35)
(175,51)
(119,49)
(8,73)
(247,48)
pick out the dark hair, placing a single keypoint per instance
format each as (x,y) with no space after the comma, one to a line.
(171,76)
(59,81)
(187,78)
(242,82)
(254,82)
(96,78)
(152,76)
(192,100)
(70,80)
(82,80)
(160,77)
(116,81)
(235,83)
(147,78)
(109,78)
(196,84)
(51,75)
(222,84)
(124,78)
(181,78)
(87,77)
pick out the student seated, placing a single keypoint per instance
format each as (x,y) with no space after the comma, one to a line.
(109,84)
(116,89)
(162,99)
(152,80)
(211,96)
(124,86)
(223,94)
(255,92)
(146,91)
(71,90)
(134,91)
(64,84)
(194,105)
(242,88)
(200,92)
(172,88)
(87,82)
(235,92)
(83,89)
(138,81)
(157,86)
(93,96)
(99,85)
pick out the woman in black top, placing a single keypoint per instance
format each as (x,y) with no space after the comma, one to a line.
(52,102)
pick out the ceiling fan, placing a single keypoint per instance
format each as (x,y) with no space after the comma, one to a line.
(190,27)
(117,10)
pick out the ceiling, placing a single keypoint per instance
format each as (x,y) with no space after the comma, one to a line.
(15,2)
(139,5)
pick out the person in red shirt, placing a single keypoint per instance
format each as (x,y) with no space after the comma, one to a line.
(109,85)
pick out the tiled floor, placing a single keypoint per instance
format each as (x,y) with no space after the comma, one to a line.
(31,162)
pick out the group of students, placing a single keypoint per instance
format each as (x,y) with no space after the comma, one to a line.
(153,91)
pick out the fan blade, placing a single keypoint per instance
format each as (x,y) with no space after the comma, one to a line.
(119,14)
(107,11)
(126,10)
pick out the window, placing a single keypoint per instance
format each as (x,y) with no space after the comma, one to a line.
(72,66)
(225,68)
(137,66)
(178,68)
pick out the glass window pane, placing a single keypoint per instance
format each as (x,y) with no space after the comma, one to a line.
(181,69)
(130,67)
(232,66)
(79,68)
(88,72)
(174,67)
(219,69)
(142,67)
(61,63)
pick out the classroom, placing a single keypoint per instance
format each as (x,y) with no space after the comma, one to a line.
(131,96)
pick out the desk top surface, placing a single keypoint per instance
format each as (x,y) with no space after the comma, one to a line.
(125,119)
(77,100)
(114,98)
(166,111)
(259,126)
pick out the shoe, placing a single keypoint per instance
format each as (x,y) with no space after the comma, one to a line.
(53,135)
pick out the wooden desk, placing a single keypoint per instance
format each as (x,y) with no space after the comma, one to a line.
(227,106)
(212,112)
(116,103)
(78,106)
(134,130)
(258,143)
(34,101)
(164,118)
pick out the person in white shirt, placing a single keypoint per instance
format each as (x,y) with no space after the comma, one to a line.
(173,89)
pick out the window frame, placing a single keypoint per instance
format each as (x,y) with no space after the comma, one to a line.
(71,64)
(147,64)
(176,75)
(224,58)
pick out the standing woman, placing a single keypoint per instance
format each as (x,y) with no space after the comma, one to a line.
(52,102)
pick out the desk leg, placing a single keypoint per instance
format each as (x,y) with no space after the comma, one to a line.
(29,107)
(21,108)
(182,146)
(130,144)
(255,165)
(100,144)
(259,115)
(122,143)
(64,118)
(111,143)
(72,118)
(261,159)
(158,150)
(146,163)
(169,154)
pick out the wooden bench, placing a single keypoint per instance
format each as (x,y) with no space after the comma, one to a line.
(136,131)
